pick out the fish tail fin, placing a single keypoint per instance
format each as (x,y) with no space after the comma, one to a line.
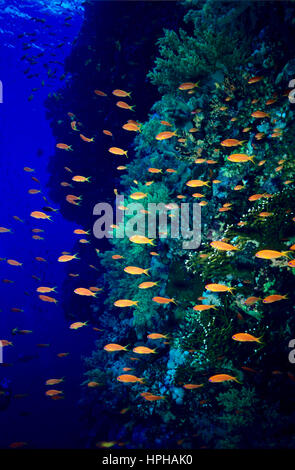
(258,340)
(125,153)
(242,142)
(131,107)
(129,94)
(151,242)
(231,290)
(174,301)
(236,380)
(146,271)
(76,256)
(285,253)
(251,159)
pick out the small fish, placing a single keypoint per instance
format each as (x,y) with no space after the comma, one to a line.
(255,79)
(66,258)
(251,300)
(196,183)
(232,142)
(100,93)
(143,350)
(274,298)
(163,300)
(147,285)
(135,270)
(118,151)
(188,85)
(84,292)
(77,325)
(259,114)
(123,105)
(240,158)
(64,147)
(53,393)
(222,378)
(219,288)
(222,246)
(192,386)
(13,262)
(40,215)
(141,240)
(86,139)
(127,378)
(125,303)
(46,298)
(245,337)
(203,307)
(113,347)
(271,254)
(53,381)
(165,135)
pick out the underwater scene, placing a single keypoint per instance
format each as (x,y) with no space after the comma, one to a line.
(147,225)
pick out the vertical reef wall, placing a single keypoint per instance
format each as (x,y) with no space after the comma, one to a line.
(234,61)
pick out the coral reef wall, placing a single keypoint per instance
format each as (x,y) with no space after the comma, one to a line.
(219,78)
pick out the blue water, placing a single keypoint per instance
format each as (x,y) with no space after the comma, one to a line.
(26,140)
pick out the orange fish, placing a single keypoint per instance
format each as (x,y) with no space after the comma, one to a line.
(274,298)
(46,298)
(53,381)
(64,147)
(127,378)
(147,285)
(121,93)
(13,262)
(219,288)
(222,246)
(78,324)
(232,142)
(136,270)
(65,258)
(259,114)
(203,307)
(123,105)
(192,386)
(255,79)
(245,337)
(196,183)
(84,292)
(222,378)
(39,215)
(86,139)
(118,151)
(240,158)
(100,93)
(188,85)
(143,350)
(53,393)
(270,254)
(113,347)
(141,240)
(165,135)
(125,303)
(157,336)
(163,300)
(251,300)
